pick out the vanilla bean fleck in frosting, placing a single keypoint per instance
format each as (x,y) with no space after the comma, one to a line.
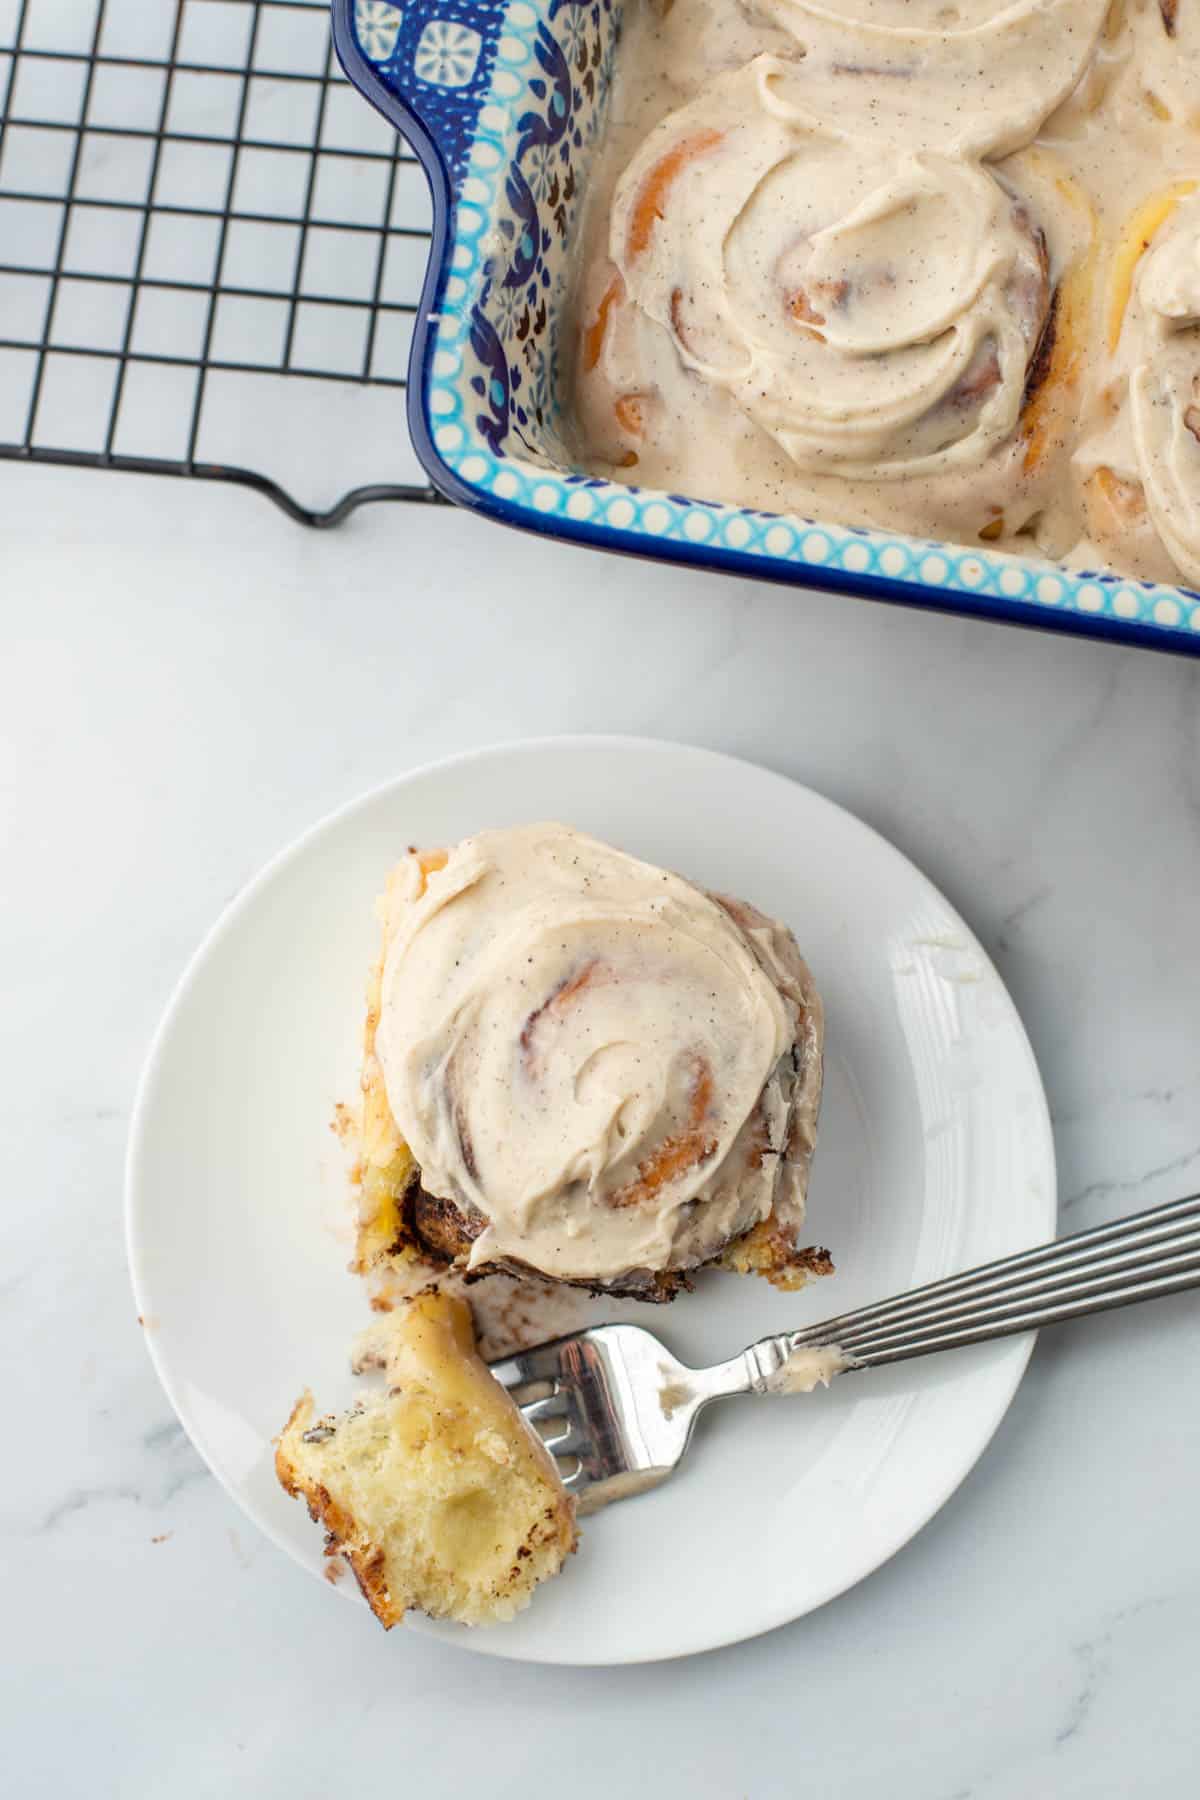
(611,1069)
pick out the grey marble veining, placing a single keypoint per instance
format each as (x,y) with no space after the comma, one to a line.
(188,681)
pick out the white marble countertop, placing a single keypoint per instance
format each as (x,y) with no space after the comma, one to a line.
(188,681)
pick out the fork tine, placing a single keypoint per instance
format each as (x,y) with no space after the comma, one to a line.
(508,1372)
(531,1368)
(542,1363)
(554,1406)
(571,1441)
(576,1393)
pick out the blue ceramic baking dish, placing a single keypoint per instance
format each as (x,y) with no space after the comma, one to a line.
(503,101)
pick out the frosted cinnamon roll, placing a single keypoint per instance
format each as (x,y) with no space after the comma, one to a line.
(1142,466)
(972,77)
(601,1074)
(875,312)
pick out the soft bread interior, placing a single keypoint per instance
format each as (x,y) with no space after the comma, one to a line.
(435,1491)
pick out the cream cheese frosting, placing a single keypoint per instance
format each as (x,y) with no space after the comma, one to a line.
(599,1060)
(855,259)
(969,79)
(875,311)
(972,80)
(1166,58)
(808,1367)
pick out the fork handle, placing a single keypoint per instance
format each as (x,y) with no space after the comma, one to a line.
(1144,1257)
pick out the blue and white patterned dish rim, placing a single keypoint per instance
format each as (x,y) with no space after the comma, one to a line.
(502,101)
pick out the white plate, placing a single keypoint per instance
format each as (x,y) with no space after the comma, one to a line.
(935,1154)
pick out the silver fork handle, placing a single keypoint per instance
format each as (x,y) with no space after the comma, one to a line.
(1145,1257)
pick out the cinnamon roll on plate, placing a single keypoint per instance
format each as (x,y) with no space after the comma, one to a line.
(583,1067)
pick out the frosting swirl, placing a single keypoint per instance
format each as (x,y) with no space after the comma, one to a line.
(876,312)
(602,1063)
(975,78)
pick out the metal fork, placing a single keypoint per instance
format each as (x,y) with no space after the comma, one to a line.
(617,1410)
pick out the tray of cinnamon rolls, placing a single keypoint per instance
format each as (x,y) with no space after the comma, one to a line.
(895,295)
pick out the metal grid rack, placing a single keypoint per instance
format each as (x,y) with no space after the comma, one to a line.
(211,251)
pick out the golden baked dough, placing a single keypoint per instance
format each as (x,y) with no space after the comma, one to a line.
(436,1492)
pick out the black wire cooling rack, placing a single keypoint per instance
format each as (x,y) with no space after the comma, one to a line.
(211,251)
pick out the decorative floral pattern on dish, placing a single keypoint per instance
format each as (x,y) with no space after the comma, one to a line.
(540,170)
(447,53)
(507,309)
(378,26)
(574,36)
